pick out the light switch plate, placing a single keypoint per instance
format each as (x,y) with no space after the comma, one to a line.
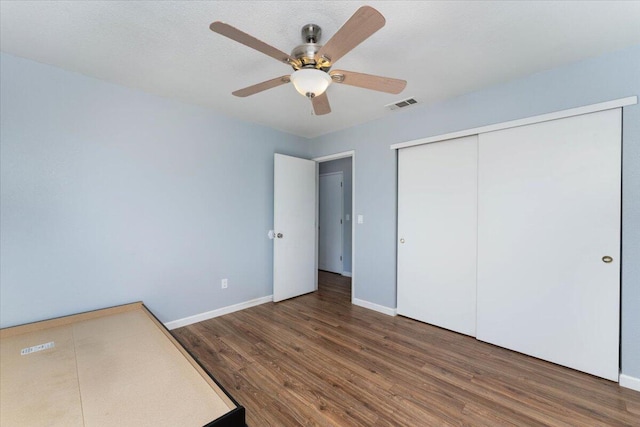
(360,219)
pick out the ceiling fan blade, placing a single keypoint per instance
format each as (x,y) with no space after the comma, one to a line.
(321,104)
(248,40)
(368,81)
(357,29)
(269,84)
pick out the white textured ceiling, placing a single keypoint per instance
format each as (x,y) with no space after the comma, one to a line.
(443,49)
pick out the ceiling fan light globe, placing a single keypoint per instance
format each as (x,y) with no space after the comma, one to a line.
(310,82)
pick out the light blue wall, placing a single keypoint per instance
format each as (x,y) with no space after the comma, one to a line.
(111,195)
(344,166)
(615,75)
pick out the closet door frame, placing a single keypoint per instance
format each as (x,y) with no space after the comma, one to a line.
(608,105)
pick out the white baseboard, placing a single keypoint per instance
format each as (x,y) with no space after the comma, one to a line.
(218,312)
(346,273)
(376,307)
(630,382)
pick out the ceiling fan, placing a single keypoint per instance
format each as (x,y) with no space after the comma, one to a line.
(312,61)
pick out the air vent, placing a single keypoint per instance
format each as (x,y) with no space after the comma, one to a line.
(401,104)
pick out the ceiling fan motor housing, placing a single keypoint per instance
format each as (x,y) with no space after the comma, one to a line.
(305,54)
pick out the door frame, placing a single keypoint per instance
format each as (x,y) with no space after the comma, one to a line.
(342,220)
(328,158)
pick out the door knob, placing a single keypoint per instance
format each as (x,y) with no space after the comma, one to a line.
(279,235)
(607,259)
(401,240)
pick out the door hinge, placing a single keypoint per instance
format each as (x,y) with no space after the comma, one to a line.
(340,257)
(340,184)
(340,220)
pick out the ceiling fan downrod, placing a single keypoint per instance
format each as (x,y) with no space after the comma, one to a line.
(311,33)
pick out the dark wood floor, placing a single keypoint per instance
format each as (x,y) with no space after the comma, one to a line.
(318,360)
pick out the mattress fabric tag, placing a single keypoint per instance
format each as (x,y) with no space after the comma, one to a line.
(36,348)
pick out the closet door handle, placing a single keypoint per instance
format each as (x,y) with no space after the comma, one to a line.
(607,259)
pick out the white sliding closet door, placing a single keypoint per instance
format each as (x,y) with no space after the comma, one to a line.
(548,212)
(437,222)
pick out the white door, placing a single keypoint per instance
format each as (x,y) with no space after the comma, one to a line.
(548,215)
(294,222)
(330,230)
(437,224)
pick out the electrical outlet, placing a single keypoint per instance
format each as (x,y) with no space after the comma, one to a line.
(225,283)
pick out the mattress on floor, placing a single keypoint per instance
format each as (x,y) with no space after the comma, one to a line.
(113,367)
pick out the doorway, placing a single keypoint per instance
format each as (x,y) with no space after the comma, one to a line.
(329,169)
(330,221)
